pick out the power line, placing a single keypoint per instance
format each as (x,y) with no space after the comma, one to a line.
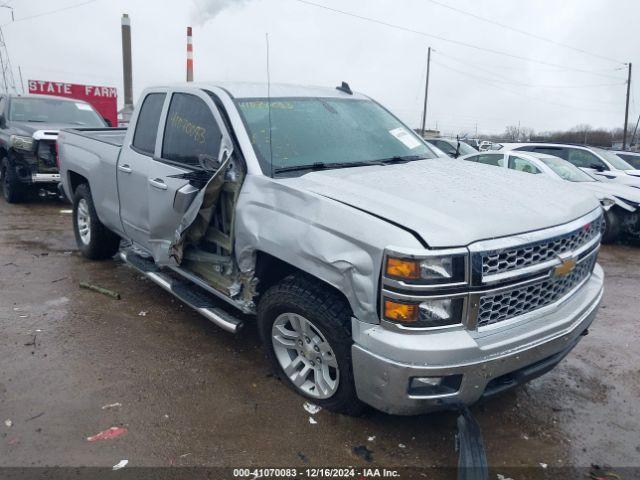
(501,80)
(8,78)
(51,12)
(455,42)
(528,85)
(524,32)
(499,87)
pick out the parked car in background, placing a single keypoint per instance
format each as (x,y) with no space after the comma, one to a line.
(620,202)
(373,274)
(604,165)
(485,145)
(453,148)
(472,142)
(29,128)
(437,152)
(632,158)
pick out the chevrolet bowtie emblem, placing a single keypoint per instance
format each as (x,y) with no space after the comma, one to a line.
(565,268)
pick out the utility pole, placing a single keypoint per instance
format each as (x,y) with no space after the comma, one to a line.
(21,80)
(626,111)
(635,130)
(426,92)
(8,79)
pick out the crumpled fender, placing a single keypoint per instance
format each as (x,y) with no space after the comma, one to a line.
(335,243)
(616,201)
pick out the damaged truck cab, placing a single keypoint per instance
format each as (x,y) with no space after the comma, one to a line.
(376,273)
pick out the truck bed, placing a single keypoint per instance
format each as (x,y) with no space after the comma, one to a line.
(112,136)
(91,155)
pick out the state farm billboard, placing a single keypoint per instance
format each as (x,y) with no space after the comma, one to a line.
(103,99)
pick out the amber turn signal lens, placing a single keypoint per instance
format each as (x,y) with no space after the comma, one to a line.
(400,312)
(408,269)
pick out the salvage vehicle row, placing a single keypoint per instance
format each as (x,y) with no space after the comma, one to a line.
(620,202)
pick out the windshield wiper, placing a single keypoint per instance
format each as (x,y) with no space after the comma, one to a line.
(326,166)
(402,159)
(36,121)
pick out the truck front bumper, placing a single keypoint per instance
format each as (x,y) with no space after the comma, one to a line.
(45,178)
(472,365)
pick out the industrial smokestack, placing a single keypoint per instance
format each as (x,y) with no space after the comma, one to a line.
(189,55)
(126,63)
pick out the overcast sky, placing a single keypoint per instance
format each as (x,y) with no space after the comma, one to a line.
(311,45)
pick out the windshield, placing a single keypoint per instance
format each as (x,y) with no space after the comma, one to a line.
(613,159)
(633,160)
(566,170)
(50,110)
(326,131)
(465,149)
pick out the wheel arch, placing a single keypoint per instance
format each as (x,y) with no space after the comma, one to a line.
(74,180)
(270,270)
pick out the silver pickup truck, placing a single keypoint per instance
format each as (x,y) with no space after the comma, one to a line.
(376,273)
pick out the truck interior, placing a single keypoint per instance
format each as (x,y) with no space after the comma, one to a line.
(208,242)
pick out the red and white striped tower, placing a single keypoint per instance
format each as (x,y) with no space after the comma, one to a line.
(189,55)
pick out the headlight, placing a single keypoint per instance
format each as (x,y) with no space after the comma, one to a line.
(425,289)
(432,269)
(429,313)
(20,142)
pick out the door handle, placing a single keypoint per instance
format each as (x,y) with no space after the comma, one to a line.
(125,168)
(158,183)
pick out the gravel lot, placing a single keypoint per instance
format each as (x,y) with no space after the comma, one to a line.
(190,394)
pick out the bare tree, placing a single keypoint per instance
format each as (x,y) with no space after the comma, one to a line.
(511,133)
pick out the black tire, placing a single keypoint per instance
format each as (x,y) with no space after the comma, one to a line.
(101,243)
(612,226)
(13,190)
(330,313)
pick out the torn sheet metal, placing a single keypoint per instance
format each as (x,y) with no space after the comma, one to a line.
(336,243)
(196,219)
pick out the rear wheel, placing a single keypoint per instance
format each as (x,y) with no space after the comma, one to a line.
(12,190)
(305,329)
(612,226)
(94,240)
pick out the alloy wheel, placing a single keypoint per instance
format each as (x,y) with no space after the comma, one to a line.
(305,355)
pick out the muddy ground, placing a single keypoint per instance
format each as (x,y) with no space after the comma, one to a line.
(193,395)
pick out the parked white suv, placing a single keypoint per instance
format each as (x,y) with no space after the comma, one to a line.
(606,166)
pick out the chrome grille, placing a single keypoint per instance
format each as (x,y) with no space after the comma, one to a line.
(503,306)
(507,260)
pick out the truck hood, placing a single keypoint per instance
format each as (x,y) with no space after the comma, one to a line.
(29,128)
(452,202)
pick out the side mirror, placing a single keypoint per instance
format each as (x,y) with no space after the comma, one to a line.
(597,166)
(108,122)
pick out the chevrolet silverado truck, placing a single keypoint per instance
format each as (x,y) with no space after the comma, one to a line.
(29,128)
(376,273)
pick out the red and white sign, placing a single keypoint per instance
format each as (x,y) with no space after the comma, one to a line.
(103,99)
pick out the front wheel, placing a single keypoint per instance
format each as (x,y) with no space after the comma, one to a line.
(94,240)
(305,329)
(12,190)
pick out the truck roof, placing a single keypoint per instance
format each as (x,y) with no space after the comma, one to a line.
(278,90)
